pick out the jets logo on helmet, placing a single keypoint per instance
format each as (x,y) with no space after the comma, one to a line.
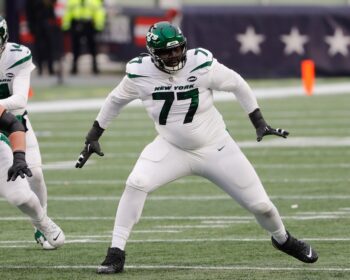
(150,36)
(167,46)
(4,35)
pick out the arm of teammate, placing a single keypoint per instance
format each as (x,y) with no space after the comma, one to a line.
(20,88)
(225,79)
(116,100)
(10,124)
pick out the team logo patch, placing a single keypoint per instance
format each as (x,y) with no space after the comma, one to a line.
(192,79)
(10,75)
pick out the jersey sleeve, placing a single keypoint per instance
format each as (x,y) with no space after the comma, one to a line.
(119,97)
(21,66)
(221,78)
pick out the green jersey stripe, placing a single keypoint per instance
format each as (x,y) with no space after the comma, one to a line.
(24,59)
(132,76)
(205,64)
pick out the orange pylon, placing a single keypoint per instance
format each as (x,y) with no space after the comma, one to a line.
(308,75)
(30,92)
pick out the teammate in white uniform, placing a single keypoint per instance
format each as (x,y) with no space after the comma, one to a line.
(176,87)
(17,191)
(15,69)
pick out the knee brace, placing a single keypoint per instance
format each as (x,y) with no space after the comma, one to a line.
(262,208)
(20,196)
(139,182)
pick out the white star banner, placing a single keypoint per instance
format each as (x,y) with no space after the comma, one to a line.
(271,41)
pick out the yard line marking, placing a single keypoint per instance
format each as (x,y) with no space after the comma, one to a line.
(189,267)
(225,222)
(13,246)
(295,142)
(199,181)
(68,165)
(84,239)
(189,218)
(96,103)
(134,231)
(194,226)
(197,198)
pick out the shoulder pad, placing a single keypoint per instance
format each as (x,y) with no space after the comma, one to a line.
(18,55)
(139,67)
(199,58)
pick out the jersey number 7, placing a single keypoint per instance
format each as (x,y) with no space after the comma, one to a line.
(169,97)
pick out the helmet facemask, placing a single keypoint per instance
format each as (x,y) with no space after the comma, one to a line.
(3,35)
(167,46)
(172,59)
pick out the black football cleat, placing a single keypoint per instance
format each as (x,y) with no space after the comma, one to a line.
(297,249)
(113,263)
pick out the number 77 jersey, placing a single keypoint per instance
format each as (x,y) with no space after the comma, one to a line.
(180,104)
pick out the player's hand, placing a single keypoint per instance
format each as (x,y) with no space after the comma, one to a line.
(19,167)
(264,130)
(91,145)
(90,148)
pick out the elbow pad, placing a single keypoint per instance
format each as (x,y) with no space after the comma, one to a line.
(10,124)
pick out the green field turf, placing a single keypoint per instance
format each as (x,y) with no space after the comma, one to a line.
(190,229)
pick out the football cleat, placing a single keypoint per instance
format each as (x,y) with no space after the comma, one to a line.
(113,263)
(41,239)
(52,232)
(297,249)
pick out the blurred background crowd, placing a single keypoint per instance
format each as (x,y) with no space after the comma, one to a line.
(258,38)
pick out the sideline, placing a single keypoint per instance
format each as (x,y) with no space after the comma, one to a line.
(94,104)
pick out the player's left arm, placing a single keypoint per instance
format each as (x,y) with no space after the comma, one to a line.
(224,79)
(16,130)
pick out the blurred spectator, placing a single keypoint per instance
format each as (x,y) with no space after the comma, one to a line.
(43,25)
(84,18)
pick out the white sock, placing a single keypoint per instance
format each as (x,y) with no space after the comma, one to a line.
(280,236)
(128,214)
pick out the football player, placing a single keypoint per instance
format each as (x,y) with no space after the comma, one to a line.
(176,87)
(17,192)
(16,66)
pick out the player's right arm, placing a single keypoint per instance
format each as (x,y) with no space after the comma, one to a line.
(115,101)
(16,131)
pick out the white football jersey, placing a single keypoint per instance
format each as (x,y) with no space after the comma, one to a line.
(180,104)
(15,67)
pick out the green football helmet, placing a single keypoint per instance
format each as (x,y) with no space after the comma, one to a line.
(167,46)
(4,35)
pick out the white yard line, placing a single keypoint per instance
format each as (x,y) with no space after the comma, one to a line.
(93,104)
(197,197)
(69,165)
(197,181)
(86,239)
(181,267)
(309,216)
(295,142)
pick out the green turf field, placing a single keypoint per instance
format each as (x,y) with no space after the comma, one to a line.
(190,229)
